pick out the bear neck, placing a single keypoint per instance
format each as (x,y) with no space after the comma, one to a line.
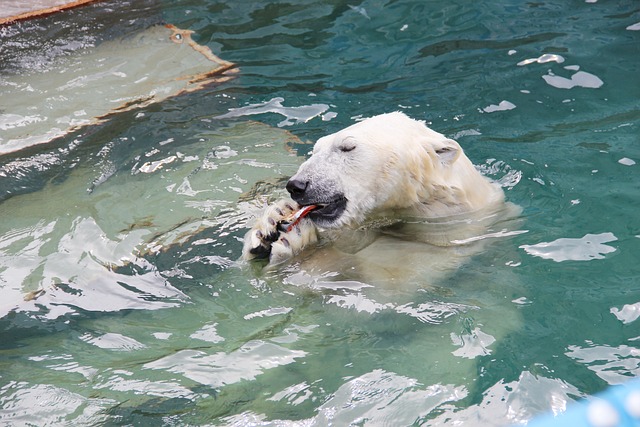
(443,190)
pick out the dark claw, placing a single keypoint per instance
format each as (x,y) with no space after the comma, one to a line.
(261,252)
(272,237)
(283,226)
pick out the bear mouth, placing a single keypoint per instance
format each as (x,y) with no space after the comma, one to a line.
(327,213)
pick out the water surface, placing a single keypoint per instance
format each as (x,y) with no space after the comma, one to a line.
(122,301)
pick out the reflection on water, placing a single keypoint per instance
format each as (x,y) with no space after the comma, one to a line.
(615,365)
(88,255)
(591,246)
(300,114)
(221,369)
(122,301)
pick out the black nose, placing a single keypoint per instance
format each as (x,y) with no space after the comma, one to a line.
(296,187)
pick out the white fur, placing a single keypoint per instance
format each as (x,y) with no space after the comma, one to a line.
(389,168)
(398,166)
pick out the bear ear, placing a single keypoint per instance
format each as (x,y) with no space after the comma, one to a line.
(448,151)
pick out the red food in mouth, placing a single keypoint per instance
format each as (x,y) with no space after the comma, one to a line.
(297,217)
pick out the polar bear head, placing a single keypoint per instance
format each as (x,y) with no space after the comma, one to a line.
(385,165)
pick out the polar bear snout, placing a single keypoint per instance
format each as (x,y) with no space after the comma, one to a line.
(297,188)
(330,205)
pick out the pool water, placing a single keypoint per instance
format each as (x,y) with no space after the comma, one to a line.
(122,302)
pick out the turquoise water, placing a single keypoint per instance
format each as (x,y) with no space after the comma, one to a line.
(122,302)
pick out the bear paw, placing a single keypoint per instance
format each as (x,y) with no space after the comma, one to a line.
(272,238)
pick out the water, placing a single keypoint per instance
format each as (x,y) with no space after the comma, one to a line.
(122,302)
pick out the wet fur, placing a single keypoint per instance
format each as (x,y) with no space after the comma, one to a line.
(389,170)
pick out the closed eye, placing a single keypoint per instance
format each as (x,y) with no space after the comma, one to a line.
(349,146)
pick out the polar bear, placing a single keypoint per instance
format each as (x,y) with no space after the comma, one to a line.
(399,210)
(388,177)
